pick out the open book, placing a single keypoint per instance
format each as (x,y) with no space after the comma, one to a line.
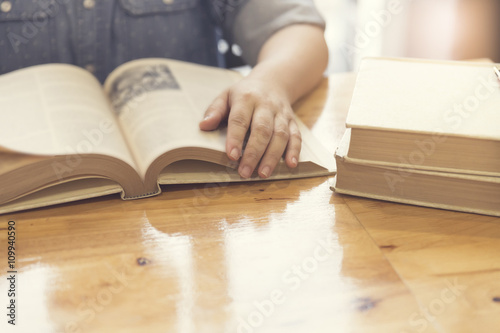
(64,137)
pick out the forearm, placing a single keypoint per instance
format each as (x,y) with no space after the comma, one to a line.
(294,58)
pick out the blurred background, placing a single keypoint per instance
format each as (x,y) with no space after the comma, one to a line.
(436,29)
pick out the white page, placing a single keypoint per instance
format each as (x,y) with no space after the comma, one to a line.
(57,110)
(160,103)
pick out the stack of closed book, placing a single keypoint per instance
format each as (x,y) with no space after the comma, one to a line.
(424,133)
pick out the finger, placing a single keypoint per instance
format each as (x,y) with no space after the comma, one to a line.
(238,124)
(216,112)
(276,147)
(294,145)
(260,136)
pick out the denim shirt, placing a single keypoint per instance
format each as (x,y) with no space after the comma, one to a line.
(99,35)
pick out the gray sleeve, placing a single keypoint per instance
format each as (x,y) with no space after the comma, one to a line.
(257,20)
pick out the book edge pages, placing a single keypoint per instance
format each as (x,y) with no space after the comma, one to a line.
(63,193)
(415,202)
(341,155)
(423,169)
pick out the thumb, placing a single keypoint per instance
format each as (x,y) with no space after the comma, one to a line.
(216,112)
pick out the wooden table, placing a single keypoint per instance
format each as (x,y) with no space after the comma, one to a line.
(283,256)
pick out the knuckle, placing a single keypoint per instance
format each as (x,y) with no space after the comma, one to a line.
(238,120)
(296,136)
(276,107)
(280,105)
(220,100)
(213,108)
(248,96)
(282,132)
(251,155)
(274,156)
(263,130)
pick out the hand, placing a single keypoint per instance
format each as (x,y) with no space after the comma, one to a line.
(260,107)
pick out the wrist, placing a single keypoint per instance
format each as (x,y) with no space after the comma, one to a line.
(272,75)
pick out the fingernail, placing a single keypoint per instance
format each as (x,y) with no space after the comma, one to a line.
(246,172)
(208,116)
(265,171)
(294,161)
(235,154)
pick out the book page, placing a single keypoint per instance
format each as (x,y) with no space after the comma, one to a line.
(57,109)
(160,103)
